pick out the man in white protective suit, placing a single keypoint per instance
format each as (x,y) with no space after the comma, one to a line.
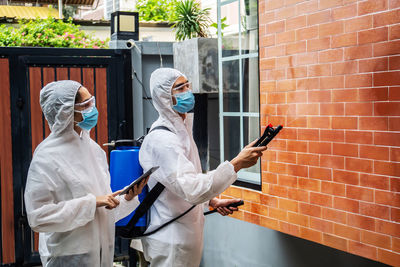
(180,243)
(68,197)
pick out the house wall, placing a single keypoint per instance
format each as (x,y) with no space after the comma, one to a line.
(329,72)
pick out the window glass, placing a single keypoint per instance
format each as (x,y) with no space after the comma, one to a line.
(231,137)
(250,84)
(230,29)
(231,87)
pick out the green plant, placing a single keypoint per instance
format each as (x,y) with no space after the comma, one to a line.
(223,25)
(48,33)
(191,20)
(156,10)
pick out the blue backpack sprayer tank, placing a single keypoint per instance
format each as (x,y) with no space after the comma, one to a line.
(124,169)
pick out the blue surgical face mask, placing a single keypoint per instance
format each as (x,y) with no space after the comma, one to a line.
(90,116)
(184,102)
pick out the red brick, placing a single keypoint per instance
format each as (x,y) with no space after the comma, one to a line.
(387,78)
(358,52)
(333,28)
(311,210)
(251,196)
(318,122)
(296,22)
(332,109)
(298,219)
(396,244)
(332,55)
(297,121)
(394,32)
(307,7)
(344,12)
(276,98)
(348,95)
(269,223)
(267,64)
(394,124)
(333,188)
(307,109)
(332,162)
(297,146)
(277,167)
(275,51)
(307,159)
(371,6)
(374,210)
(335,242)
(387,139)
(346,232)
(358,137)
(348,67)
(320,147)
(307,58)
(387,109)
(276,190)
(269,200)
(320,173)
(387,168)
(321,225)
(373,65)
(266,41)
(388,257)
(359,193)
(308,134)
(252,218)
(333,82)
(394,154)
(297,97)
(358,109)
(357,24)
(334,215)
(318,44)
(332,135)
(319,96)
(275,74)
(310,234)
(375,239)
(270,178)
(363,250)
(373,94)
(285,13)
(298,72)
(277,214)
(288,228)
(346,204)
(387,48)
(394,93)
(319,70)
(362,222)
(374,152)
(287,157)
(287,204)
(386,18)
(343,149)
(306,84)
(319,17)
(360,165)
(324,4)
(307,33)
(285,37)
(286,85)
(321,199)
(296,48)
(373,36)
(298,170)
(275,27)
(298,194)
(395,214)
(346,177)
(387,198)
(374,181)
(358,80)
(373,123)
(309,184)
(394,62)
(394,4)
(344,122)
(388,228)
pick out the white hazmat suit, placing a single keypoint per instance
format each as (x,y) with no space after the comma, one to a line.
(180,243)
(66,174)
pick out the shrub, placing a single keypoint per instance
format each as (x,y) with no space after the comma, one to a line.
(156,10)
(48,32)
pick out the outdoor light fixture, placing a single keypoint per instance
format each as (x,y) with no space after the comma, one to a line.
(124,25)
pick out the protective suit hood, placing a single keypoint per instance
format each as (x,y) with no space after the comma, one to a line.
(57,101)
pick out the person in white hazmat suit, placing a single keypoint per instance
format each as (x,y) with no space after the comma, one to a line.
(180,243)
(68,196)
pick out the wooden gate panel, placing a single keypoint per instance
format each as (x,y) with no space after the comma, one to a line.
(101,98)
(6,167)
(62,74)
(75,74)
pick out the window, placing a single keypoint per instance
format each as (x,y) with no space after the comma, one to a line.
(239,121)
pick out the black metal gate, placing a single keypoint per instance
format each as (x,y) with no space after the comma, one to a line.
(106,73)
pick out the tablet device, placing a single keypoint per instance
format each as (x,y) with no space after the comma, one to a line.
(138,180)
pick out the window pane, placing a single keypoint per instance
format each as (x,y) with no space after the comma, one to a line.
(251,131)
(230,87)
(249,26)
(231,137)
(250,85)
(230,29)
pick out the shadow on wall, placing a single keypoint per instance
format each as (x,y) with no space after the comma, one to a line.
(230,242)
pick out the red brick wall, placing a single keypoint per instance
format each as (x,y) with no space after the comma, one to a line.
(330,73)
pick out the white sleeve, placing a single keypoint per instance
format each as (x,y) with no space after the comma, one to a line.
(178,174)
(125,207)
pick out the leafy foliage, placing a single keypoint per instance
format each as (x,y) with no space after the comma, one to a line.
(223,25)
(48,33)
(156,10)
(191,20)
